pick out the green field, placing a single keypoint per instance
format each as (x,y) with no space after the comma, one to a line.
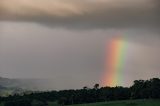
(125,103)
(118,103)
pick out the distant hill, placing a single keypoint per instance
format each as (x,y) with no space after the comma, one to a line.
(9,87)
(26,84)
(15,83)
(2,88)
(17,86)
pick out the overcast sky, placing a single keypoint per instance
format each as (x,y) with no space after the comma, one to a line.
(65,40)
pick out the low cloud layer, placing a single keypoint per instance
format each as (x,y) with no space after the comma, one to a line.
(88,13)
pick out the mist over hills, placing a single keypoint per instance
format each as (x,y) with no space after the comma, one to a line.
(17,86)
(11,83)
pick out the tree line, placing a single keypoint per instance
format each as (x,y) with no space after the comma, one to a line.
(141,89)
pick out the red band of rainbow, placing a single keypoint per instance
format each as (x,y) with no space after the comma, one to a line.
(115,61)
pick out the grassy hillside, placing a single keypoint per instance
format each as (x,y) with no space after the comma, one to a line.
(120,103)
(117,103)
(125,103)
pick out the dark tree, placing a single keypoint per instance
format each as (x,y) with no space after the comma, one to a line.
(96,86)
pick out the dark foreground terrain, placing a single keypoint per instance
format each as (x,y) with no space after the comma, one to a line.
(121,103)
(141,93)
(148,102)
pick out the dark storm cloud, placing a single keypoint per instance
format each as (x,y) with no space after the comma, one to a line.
(85,13)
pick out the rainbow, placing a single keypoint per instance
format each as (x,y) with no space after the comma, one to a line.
(115,62)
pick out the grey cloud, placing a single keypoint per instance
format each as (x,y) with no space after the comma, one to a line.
(83,14)
(73,58)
